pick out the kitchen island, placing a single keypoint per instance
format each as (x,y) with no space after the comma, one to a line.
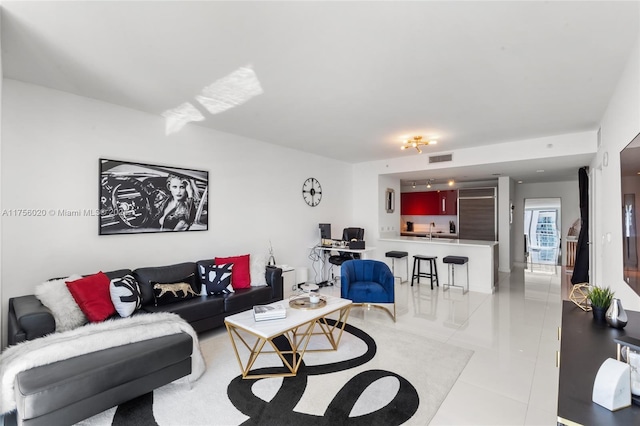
(483,258)
(437,234)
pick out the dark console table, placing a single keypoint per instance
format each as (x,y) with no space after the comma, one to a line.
(584,346)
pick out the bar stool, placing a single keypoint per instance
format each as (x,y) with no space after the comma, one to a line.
(433,269)
(451,261)
(398,255)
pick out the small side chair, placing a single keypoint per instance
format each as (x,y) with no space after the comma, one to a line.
(368,283)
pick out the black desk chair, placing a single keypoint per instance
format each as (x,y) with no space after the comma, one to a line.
(348,234)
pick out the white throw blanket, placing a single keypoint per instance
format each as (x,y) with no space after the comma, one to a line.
(91,338)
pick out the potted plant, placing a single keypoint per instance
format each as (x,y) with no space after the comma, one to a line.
(600,298)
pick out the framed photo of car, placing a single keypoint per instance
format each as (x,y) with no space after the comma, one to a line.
(143,198)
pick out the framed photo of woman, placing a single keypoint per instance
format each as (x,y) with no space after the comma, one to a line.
(142,198)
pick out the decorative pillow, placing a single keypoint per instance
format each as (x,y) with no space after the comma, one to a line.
(125,295)
(55,295)
(92,295)
(166,293)
(217,278)
(258,268)
(241,277)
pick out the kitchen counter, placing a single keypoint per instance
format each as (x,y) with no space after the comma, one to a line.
(425,234)
(440,240)
(483,258)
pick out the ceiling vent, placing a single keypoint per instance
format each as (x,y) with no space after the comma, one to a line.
(440,158)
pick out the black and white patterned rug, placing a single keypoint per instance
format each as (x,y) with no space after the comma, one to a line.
(379,377)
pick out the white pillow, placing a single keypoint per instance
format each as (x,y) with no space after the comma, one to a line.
(125,295)
(55,295)
(258,269)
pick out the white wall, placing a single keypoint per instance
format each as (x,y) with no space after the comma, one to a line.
(505,227)
(570,204)
(621,123)
(51,143)
(389,222)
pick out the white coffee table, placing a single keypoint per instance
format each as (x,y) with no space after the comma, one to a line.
(298,327)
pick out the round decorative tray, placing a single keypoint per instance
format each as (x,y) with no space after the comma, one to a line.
(303,302)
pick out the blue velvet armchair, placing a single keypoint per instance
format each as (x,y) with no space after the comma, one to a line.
(367,283)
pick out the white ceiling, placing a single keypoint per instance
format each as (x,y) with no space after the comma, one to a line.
(343,80)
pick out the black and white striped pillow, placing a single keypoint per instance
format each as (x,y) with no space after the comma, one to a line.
(125,295)
(217,278)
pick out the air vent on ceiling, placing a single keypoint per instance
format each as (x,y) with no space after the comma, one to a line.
(440,158)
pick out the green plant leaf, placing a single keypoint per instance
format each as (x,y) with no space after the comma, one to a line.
(600,296)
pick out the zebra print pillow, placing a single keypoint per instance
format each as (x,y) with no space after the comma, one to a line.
(125,295)
(217,278)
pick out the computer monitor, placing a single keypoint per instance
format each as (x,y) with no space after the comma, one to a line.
(325,231)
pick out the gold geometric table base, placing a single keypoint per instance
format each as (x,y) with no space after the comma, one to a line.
(298,337)
(580,296)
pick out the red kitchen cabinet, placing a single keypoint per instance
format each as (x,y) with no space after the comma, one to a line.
(432,203)
(419,203)
(448,202)
(411,203)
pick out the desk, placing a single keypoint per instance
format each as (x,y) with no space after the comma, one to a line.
(324,252)
(363,252)
(584,346)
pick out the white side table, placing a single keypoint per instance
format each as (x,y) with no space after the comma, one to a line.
(289,285)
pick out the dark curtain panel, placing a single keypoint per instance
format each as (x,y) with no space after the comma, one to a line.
(581,266)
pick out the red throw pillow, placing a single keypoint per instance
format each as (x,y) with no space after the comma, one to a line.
(241,273)
(93,297)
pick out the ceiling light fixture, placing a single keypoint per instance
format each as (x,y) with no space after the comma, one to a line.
(429,183)
(413,185)
(451,182)
(417,142)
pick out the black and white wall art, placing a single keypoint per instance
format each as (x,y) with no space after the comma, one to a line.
(138,198)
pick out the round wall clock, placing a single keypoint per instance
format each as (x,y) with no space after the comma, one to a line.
(312,192)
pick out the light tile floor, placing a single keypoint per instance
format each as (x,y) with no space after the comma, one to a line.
(511,378)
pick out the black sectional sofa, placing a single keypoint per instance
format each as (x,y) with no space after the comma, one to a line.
(71,390)
(29,319)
